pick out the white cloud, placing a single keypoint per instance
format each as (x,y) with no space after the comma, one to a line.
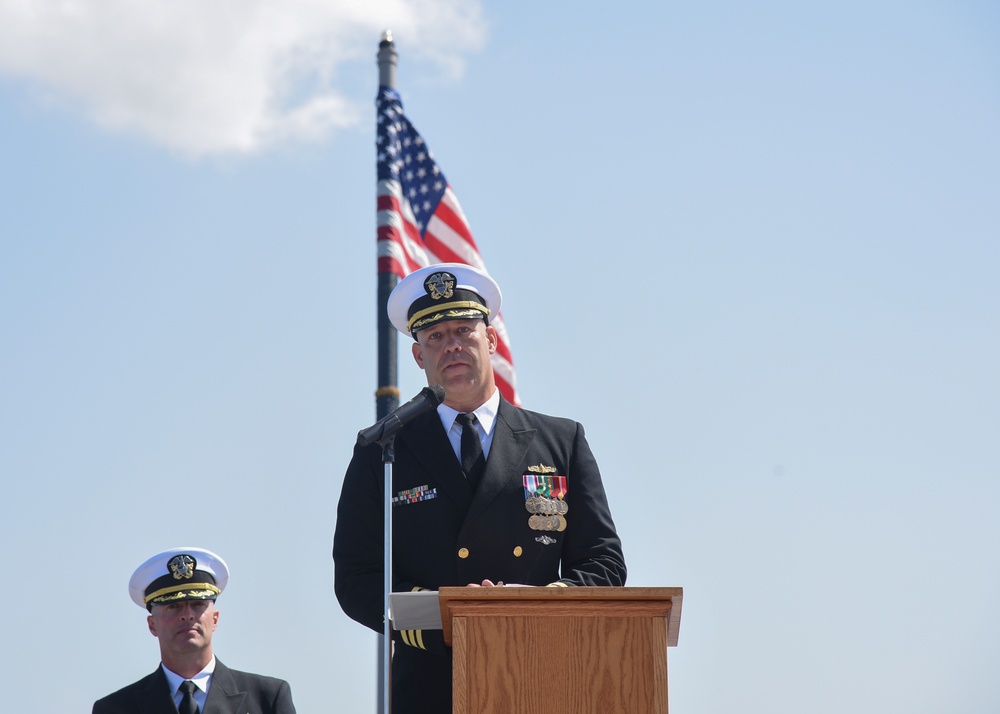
(221,76)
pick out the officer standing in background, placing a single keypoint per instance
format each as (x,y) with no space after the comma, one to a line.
(178,588)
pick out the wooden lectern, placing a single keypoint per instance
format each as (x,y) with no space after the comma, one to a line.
(577,650)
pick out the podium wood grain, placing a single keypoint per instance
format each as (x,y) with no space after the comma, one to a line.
(554,650)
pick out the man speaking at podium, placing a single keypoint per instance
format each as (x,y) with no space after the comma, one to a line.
(483,492)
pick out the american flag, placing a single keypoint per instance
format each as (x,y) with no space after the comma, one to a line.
(419,219)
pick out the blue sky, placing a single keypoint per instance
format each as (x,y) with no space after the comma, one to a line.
(752,248)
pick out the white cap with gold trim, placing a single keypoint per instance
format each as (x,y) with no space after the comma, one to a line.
(178,574)
(446,291)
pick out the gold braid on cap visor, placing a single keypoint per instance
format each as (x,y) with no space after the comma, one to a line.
(455,310)
(204,590)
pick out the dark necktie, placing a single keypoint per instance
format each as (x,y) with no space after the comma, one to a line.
(188,704)
(473,461)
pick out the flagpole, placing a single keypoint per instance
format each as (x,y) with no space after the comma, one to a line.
(387,393)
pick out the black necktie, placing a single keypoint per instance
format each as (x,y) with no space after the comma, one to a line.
(188,705)
(473,460)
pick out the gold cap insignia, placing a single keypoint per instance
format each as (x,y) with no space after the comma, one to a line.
(440,286)
(182,567)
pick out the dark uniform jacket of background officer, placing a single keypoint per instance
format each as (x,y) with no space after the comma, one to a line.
(231,692)
(455,537)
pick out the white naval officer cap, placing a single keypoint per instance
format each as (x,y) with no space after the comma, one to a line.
(445,291)
(178,574)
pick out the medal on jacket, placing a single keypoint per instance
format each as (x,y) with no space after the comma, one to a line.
(544,495)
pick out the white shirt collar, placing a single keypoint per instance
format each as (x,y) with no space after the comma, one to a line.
(486,414)
(201,680)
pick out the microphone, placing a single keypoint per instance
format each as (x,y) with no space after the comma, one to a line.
(387,426)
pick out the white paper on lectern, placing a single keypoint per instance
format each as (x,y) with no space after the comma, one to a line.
(419,610)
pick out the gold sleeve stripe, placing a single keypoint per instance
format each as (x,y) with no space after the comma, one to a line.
(413,638)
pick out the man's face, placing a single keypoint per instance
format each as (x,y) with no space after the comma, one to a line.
(456,355)
(184,626)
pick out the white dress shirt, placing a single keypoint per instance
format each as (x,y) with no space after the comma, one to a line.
(202,681)
(486,417)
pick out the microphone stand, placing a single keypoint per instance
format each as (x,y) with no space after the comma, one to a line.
(383,432)
(388,458)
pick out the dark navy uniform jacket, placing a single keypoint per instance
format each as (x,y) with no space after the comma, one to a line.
(446,535)
(231,692)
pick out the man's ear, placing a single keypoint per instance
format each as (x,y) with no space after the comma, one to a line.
(418,354)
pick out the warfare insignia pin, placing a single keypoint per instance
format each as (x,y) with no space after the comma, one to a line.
(182,567)
(440,285)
